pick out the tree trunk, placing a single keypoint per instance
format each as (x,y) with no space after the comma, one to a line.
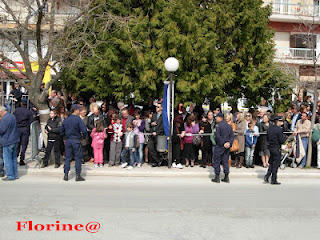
(43,110)
(313,118)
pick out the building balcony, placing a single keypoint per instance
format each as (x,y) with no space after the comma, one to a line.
(301,56)
(287,12)
(294,53)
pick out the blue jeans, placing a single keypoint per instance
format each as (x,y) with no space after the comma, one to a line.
(249,156)
(1,160)
(10,160)
(305,141)
(124,153)
(213,147)
(139,154)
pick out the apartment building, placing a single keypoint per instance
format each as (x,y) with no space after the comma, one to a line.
(22,11)
(297,37)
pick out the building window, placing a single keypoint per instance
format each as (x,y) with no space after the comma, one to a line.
(302,41)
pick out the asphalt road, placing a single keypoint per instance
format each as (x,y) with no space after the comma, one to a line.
(160,208)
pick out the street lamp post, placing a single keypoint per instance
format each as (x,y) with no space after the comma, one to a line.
(171,64)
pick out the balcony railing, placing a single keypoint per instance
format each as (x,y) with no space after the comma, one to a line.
(294,53)
(295,9)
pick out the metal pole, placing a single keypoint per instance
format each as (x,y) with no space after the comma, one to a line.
(171,124)
(2,92)
(172,108)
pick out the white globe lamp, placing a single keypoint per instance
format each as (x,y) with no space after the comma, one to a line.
(171,64)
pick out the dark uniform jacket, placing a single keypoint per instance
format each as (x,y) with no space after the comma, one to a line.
(159,127)
(224,134)
(275,136)
(54,124)
(24,117)
(73,128)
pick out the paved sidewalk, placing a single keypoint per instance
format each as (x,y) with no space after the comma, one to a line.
(147,171)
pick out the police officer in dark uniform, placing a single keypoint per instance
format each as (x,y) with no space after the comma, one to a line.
(275,138)
(224,139)
(24,118)
(73,130)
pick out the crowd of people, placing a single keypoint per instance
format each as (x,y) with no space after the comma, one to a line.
(127,135)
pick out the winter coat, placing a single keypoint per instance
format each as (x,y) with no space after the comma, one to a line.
(90,124)
(250,138)
(263,137)
(8,130)
(206,143)
(241,128)
(98,138)
(132,139)
(54,132)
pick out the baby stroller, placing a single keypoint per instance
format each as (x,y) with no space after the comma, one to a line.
(162,147)
(288,158)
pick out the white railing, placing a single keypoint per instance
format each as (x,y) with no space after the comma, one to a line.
(295,9)
(294,53)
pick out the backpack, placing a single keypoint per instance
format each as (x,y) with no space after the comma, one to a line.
(315,135)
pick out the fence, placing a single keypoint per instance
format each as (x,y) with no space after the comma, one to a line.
(35,131)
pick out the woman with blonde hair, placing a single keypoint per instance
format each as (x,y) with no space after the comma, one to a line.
(264,152)
(229,119)
(241,125)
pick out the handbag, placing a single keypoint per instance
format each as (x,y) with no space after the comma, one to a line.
(196,140)
(235,146)
(315,135)
(138,141)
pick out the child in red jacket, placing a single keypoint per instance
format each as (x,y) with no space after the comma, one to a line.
(98,135)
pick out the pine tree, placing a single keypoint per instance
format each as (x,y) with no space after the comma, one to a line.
(224,48)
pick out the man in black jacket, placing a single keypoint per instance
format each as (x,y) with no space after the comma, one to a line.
(156,130)
(54,139)
(16,94)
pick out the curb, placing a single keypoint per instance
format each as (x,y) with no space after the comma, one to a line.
(163,173)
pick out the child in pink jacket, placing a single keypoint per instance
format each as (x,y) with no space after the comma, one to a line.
(98,135)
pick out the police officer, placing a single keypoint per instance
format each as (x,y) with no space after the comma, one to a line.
(24,118)
(73,130)
(224,138)
(275,138)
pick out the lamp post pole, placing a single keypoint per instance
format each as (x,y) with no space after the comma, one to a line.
(171,94)
(171,65)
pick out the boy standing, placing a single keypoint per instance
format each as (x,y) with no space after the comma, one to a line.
(130,142)
(250,143)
